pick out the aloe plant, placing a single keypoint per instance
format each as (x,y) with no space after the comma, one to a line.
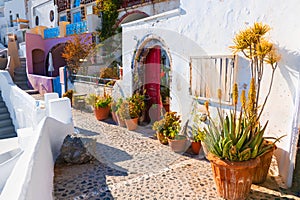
(237,135)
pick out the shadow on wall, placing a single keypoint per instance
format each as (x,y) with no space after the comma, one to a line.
(291,67)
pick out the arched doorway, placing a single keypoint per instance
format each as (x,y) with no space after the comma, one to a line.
(58,60)
(38,58)
(152,75)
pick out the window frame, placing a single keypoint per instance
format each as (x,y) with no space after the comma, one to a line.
(233,77)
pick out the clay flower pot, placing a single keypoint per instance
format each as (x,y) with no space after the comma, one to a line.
(101,113)
(131,123)
(120,121)
(114,117)
(262,169)
(233,179)
(196,146)
(178,144)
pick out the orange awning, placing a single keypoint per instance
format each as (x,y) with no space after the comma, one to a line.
(21,20)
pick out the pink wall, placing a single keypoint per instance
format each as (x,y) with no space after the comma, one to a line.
(33,41)
(41,83)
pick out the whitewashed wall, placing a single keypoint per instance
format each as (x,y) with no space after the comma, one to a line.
(16,7)
(42,8)
(211,26)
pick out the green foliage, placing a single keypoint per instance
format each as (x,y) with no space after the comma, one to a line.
(116,105)
(132,107)
(98,101)
(169,126)
(236,136)
(198,134)
(109,11)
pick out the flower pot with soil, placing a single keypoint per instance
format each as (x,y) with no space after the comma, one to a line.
(167,127)
(131,109)
(100,104)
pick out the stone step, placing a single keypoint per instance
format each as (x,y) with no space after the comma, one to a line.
(31,91)
(20,69)
(6,123)
(20,73)
(7,135)
(6,132)
(24,87)
(20,78)
(4,116)
(2,104)
(3,110)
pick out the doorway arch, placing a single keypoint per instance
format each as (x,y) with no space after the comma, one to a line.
(152,74)
(58,60)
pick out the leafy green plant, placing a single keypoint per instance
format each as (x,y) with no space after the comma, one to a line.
(198,134)
(169,126)
(132,107)
(103,101)
(97,101)
(109,11)
(116,105)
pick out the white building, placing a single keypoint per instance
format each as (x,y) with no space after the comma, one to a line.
(42,13)
(205,29)
(11,10)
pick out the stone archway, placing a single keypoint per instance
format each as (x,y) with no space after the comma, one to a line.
(152,73)
(131,16)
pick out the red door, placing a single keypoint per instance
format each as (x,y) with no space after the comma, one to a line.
(152,81)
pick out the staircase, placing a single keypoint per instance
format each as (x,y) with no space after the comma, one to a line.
(20,77)
(7,129)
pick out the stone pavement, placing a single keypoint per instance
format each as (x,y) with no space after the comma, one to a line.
(134,165)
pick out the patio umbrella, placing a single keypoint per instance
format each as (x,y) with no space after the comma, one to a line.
(50,66)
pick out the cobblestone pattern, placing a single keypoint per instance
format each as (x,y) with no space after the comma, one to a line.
(132,165)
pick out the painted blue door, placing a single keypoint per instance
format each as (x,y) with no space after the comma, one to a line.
(76,17)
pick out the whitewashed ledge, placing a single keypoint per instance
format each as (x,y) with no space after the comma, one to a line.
(34,151)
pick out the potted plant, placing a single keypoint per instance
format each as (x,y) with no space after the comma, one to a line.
(115,105)
(100,104)
(131,109)
(253,44)
(198,136)
(167,131)
(69,94)
(234,142)
(197,131)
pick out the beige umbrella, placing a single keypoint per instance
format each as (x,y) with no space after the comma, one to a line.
(50,66)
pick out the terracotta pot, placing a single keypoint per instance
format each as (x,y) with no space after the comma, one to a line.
(120,121)
(196,146)
(101,113)
(233,179)
(162,139)
(262,169)
(131,123)
(178,144)
(114,116)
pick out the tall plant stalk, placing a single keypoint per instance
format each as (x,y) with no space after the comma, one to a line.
(254,45)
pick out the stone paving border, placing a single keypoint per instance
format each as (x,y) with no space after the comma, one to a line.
(132,165)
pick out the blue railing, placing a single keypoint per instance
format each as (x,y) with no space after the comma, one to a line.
(51,32)
(76,28)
